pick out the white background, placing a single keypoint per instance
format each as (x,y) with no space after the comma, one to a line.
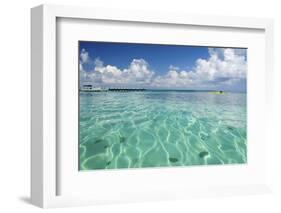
(15,98)
(72,182)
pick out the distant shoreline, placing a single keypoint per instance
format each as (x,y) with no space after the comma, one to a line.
(161,90)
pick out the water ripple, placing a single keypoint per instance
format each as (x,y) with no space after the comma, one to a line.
(160,129)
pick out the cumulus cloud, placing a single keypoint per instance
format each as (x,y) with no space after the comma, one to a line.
(138,73)
(224,66)
(84,56)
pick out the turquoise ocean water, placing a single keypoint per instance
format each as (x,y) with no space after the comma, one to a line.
(161,129)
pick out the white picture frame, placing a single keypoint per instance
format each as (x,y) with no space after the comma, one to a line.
(44,154)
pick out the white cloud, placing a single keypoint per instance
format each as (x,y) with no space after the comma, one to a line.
(224,66)
(138,73)
(172,67)
(98,62)
(223,63)
(84,56)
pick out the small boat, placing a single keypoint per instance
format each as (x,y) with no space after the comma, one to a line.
(217,92)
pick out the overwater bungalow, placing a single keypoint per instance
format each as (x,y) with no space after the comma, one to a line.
(91,88)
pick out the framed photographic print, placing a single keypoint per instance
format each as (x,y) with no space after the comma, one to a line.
(149,106)
(170,105)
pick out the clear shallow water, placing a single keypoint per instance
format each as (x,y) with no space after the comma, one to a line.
(161,129)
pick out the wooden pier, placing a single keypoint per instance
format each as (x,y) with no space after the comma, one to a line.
(113,90)
(125,90)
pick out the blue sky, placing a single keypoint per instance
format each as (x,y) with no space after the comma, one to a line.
(159,57)
(162,66)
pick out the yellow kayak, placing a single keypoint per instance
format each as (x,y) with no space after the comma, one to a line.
(217,92)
